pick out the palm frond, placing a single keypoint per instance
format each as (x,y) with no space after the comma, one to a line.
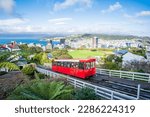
(43,90)
(8,65)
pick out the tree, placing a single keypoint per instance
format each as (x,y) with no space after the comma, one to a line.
(35,49)
(29,69)
(137,66)
(138,51)
(67,47)
(42,90)
(112,57)
(56,53)
(112,62)
(41,58)
(24,47)
(61,54)
(65,56)
(48,51)
(4,56)
(111,65)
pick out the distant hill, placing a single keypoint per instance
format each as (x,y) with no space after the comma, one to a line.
(27,35)
(113,37)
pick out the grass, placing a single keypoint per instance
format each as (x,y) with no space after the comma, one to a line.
(88,53)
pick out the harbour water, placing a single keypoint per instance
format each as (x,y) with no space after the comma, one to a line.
(26,41)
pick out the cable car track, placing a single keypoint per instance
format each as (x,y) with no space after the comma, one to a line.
(115,86)
(120,87)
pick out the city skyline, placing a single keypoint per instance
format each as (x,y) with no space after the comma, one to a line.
(75,16)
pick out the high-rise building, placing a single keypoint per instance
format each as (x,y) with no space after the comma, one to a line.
(62,41)
(95,42)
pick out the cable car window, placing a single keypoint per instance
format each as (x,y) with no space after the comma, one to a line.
(76,65)
(65,64)
(92,64)
(72,65)
(68,64)
(58,63)
(62,64)
(88,65)
(81,65)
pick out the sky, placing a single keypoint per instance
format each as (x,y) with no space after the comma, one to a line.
(75,16)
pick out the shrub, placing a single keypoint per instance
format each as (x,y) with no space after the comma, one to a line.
(41,76)
(9,82)
(42,90)
(93,49)
(65,56)
(85,94)
(28,70)
(111,65)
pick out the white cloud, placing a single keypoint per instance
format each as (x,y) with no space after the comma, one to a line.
(12,22)
(127,15)
(135,18)
(24,29)
(104,27)
(59,21)
(112,8)
(143,13)
(139,14)
(69,3)
(7,5)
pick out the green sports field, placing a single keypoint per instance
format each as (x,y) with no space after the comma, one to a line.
(88,53)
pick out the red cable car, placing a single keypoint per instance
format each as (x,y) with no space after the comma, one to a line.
(81,68)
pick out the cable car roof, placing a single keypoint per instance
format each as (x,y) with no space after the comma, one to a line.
(75,60)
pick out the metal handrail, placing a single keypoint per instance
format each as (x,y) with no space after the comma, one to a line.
(122,74)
